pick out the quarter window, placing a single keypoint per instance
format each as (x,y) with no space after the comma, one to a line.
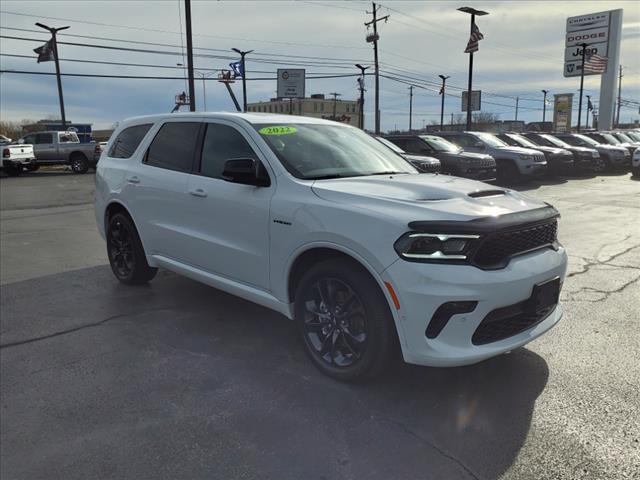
(174,146)
(128,140)
(222,143)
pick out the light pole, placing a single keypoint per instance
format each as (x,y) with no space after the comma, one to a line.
(410,108)
(244,77)
(442,92)
(587,114)
(544,108)
(54,45)
(335,101)
(202,75)
(361,82)
(584,51)
(473,12)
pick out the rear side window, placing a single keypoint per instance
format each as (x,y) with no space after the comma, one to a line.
(44,138)
(222,143)
(174,146)
(128,140)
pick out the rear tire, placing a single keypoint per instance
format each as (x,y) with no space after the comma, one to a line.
(78,163)
(126,254)
(344,320)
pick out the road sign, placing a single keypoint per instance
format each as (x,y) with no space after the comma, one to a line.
(562,106)
(590,20)
(291,82)
(592,35)
(475,100)
(575,53)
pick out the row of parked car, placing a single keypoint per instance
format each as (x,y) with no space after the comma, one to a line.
(48,148)
(516,157)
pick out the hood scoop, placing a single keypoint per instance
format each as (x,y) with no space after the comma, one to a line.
(487,193)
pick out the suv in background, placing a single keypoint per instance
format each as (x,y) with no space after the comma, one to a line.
(559,160)
(612,156)
(422,163)
(454,161)
(322,223)
(514,163)
(609,138)
(584,159)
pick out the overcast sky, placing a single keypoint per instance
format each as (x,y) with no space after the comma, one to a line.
(521,54)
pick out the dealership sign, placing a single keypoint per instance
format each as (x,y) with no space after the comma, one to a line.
(291,82)
(562,106)
(591,29)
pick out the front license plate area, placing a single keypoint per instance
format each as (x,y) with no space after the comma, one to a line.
(544,296)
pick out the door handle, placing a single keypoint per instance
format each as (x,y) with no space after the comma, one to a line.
(133,180)
(198,192)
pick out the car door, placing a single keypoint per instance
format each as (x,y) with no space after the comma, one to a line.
(155,188)
(228,222)
(44,147)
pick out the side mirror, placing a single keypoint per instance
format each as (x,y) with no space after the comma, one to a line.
(247,171)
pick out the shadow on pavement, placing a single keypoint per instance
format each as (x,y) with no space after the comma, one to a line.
(177,379)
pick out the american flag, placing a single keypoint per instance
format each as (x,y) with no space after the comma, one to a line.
(595,64)
(475,37)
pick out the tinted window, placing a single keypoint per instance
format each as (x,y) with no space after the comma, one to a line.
(222,143)
(128,140)
(174,146)
(414,145)
(42,138)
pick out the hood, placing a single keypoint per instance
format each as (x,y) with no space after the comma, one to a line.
(520,150)
(461,155)
(420,158)
(424,197)
(575,148)
(612,148)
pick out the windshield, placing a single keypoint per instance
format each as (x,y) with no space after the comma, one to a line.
(623,137)
(611,139)
(314,152)
(391,145)
(585,139)
(553,141)
(439,144)
(633,135)
(523,141)
(490,140)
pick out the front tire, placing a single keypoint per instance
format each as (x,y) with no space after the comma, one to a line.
(126,254)
(344,320)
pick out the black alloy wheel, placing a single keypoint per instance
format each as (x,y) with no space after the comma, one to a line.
(335,323)
(344,320)
(79,164)
(126,254)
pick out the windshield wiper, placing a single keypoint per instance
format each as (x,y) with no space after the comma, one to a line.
(329,176)
(390,172)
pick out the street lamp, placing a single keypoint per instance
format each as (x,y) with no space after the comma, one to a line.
(544,108)
(444,79)
(54,42)
(361,82)
(244,76)
(473,12)
(202,75)
(588,102)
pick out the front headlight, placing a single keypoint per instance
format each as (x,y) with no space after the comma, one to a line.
(526,157)
(438,247)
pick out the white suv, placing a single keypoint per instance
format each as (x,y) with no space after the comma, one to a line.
(324,224)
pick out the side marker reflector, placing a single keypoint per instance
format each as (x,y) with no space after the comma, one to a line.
(394,297)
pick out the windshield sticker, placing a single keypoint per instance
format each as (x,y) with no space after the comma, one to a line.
(280,130)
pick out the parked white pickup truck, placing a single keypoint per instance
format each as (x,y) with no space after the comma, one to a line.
(17,157)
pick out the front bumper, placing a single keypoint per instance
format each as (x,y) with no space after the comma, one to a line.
(485,173)
(534,169)
(422,288)
(560,162)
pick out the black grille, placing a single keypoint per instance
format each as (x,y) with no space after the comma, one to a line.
(508,321)
(496,249)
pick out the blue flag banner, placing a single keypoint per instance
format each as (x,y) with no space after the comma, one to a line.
(238,71)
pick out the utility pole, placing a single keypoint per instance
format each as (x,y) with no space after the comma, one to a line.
(362,90)
(544,107)
(54,44)
(517,101)
(192,84)
(587,114)
(584,51)
(410,108)
(374,38)
(451,119)
(244,76)
(442,92)
(335,101)
(473,12)
(617,123)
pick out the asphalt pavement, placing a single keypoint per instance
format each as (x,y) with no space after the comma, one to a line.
(179,380)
